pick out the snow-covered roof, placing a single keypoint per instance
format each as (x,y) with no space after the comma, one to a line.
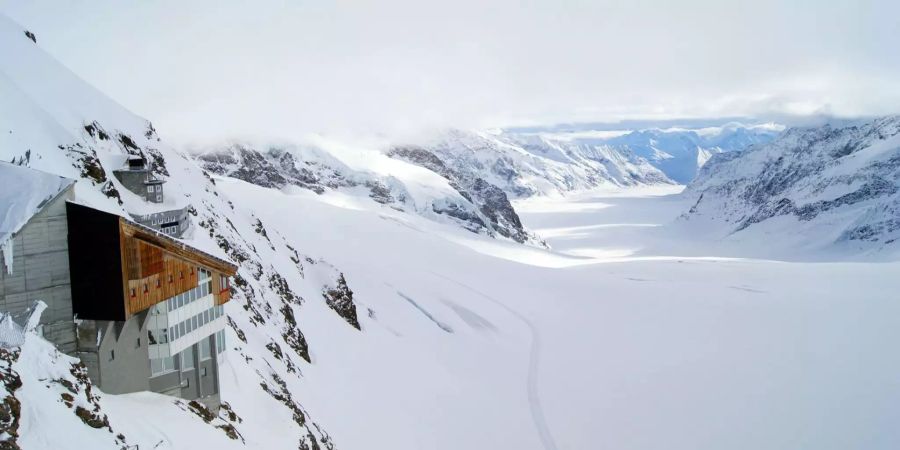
(25,191)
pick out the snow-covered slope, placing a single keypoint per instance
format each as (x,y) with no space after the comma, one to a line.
(811,188)
(53,121)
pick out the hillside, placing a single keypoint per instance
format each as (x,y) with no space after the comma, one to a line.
(54,122)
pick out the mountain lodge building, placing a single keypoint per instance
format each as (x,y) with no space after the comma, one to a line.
(141,309)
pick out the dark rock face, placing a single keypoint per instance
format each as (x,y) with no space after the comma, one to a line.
(493,211)
(340,299)
(846,178)
(273,168)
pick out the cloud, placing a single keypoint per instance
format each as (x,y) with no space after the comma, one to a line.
(210,69)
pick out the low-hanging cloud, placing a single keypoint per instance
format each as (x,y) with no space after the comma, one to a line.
(209,69)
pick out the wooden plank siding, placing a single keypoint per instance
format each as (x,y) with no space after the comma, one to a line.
(221,292)
(156,268)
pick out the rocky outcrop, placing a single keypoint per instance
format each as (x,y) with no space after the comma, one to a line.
(493,210)
(271,168)
(340,299)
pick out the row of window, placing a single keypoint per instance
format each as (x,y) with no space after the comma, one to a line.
(192,295)
(160,366)
(204,275)
(196,321)
(151,188)
(178,330)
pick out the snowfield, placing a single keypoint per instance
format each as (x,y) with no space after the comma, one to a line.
(507,346)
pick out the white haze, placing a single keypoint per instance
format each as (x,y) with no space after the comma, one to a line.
(204,70)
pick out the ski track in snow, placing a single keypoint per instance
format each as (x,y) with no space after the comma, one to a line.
(534,400)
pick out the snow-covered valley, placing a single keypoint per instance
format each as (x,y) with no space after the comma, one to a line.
(479,343)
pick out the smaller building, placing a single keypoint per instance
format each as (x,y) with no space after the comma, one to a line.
(137,177)
(173,222)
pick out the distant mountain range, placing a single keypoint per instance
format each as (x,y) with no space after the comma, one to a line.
(677,149)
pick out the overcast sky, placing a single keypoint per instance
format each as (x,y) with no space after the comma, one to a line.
(213,69)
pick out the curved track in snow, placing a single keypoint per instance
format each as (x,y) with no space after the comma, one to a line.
(534,400)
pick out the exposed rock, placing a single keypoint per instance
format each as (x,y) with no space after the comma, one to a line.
(10,407)
(492,210)
(340,299)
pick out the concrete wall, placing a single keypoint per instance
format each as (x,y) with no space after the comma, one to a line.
(129,369)
(41,272)
(121,363)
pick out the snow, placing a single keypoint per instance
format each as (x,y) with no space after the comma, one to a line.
(637,331)
(25,193)
(658,349)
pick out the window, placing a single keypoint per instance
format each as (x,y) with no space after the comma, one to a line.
(132,292)
(138,343)
(158,198)
(204,348)
(150,189)
(194,321)
(220,341)
(158,188)
(181,328)
(171,278)
(181,274)
(112,355)
(161,365)
(145,288)
(187,358)
(158,283)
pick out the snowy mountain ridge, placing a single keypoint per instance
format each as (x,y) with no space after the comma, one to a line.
(446,196)
(836,184)
(525,166)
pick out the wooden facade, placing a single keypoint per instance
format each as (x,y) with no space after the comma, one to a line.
(125,268)
(157,267)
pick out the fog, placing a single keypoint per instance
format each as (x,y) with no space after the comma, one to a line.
(207,70)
